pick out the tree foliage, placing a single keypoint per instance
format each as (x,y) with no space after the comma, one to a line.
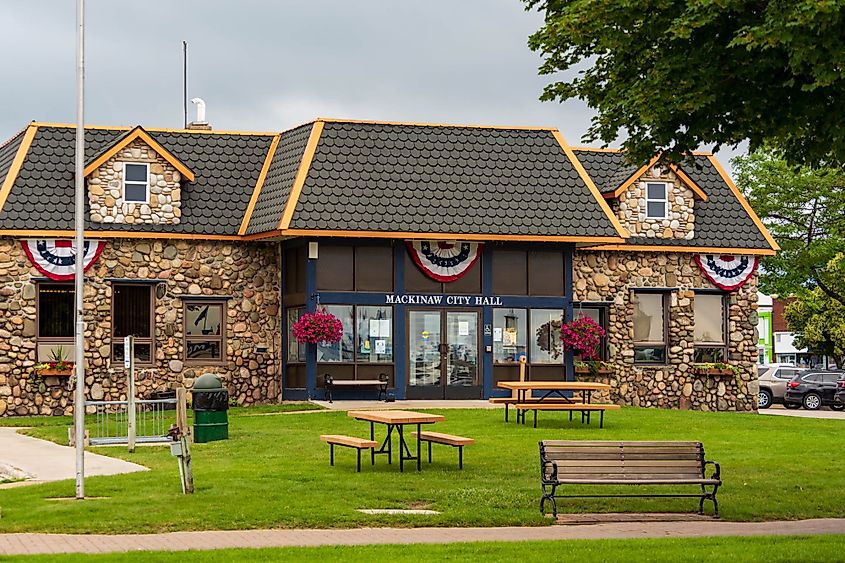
(819,324)
(804,209)
(677,74)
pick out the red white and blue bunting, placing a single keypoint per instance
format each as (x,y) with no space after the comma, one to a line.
(726,271)
(444,261)
(55,258)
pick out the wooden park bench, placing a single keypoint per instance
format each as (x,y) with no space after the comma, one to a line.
(572,462)
(447,440)
(349,442)
(333,384)
(584,408)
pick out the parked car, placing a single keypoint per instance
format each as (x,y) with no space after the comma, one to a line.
(839,397)
(814,389)
(772,380)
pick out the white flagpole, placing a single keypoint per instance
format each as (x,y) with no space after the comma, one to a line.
(79,248)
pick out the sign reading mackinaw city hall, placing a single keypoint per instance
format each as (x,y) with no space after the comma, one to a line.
(463,300)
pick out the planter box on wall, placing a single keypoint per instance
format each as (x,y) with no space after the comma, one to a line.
(601,371)
(712,371)
(55,372)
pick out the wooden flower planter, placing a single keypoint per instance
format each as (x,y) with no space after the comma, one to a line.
(585,370)
(55,372)
(712,371)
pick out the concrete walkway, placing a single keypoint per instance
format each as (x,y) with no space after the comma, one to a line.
(778,410)
(343,405)
(36,461)
(14,544)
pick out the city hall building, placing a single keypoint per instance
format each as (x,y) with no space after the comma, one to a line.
(447,252)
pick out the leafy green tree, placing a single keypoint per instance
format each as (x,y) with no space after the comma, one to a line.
(804,208)
(677,74)
(819,324)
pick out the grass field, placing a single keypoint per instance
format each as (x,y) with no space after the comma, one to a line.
(274,472)
(826,549)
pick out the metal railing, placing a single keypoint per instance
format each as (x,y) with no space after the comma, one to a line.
(110,424)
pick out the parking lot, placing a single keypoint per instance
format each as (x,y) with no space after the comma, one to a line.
(823,412)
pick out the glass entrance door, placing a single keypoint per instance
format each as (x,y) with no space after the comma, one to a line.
(443,355)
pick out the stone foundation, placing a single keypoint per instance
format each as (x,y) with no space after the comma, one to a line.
(610,276)
(247,272)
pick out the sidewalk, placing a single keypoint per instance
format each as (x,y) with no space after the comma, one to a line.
(23,544)
(24,457)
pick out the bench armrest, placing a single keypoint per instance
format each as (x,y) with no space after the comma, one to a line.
(717,471)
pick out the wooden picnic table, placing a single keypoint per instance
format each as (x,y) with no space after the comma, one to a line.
(396,420)
(522,389)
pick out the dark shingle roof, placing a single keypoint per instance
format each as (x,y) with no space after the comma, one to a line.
(274,194)
(719,222)
(433,179)
(7,154)
(609,170)
(226,166)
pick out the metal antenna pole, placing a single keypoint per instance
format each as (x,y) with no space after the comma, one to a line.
(79,249)
(185,82)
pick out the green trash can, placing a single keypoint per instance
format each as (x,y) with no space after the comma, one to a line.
(211,406)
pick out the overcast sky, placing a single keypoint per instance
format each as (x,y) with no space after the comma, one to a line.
(268,65)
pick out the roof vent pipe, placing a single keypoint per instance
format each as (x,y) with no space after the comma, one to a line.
(200,122)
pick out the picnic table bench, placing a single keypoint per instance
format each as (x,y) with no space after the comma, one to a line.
(333,384)
(349,442)
(585,408)
(573,462)
(447,440)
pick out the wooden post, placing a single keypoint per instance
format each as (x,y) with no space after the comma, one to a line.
(186,463)
(182,411)
(129,362)
(523,365)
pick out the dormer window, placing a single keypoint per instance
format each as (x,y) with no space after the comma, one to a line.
(657,199)
(136,182)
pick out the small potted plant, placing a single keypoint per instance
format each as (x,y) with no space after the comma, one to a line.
(319,327)
(57,366)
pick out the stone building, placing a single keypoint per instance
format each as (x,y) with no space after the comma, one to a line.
(446,251)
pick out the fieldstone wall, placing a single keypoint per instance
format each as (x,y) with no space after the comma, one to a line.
(680,221)
(105,189)
(610,276)
(248,272)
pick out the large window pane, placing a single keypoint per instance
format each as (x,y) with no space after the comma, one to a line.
(510,334)
(132,311)
(648,317)
(709,319)
(546,347)
(375,334)
(204,332)
(296,351)
(55,311)
(342,351)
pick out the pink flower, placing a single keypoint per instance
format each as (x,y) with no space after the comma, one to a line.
(318,327)
(582,336)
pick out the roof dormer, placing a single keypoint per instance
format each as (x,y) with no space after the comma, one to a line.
(136,180)
(657,201)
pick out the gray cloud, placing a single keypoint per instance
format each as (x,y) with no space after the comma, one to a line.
(267,66)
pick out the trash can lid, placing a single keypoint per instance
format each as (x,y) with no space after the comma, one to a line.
(208,382)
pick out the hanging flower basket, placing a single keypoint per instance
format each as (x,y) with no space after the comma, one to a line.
(318,327)
(582,337)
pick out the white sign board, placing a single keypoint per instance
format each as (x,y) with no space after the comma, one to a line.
(127,352)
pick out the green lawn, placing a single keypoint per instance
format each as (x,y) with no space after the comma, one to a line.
(274,472)
(826,549)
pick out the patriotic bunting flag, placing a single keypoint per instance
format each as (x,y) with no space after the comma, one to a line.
(55,258)
(444,261)
(726,271)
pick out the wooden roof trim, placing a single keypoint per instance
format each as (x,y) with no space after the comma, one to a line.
(425,124)
(133,135)
(301,174)
(696,189)
(744,202)
(623,233)
(159,129)
(67,233)
(685,249)
(262,176)
(17,162)
(432,236)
